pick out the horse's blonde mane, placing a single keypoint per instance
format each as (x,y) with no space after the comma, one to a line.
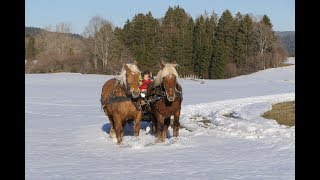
(169,69)
(122,75)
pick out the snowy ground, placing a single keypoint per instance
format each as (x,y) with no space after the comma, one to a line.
(291,60)
(67,132)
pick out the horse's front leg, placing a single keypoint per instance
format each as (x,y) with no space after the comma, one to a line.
(153,119)
(137,121)
(165,128)
(159,127)
(176,124)
(119,128)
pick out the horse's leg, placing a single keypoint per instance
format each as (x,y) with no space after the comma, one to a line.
(119,128)
(160,124)
(176,124)
(154,123)
(137,121)
(112,130)
(165,128)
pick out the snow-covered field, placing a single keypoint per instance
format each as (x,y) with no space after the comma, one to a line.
(66,131)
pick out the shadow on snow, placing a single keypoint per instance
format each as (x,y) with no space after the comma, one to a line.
(128,128)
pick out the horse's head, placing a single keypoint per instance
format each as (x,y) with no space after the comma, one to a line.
(130,79)
(167,77)
(132,76)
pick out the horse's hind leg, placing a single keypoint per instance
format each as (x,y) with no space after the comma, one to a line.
(137,121)
(112,130)
(176,124)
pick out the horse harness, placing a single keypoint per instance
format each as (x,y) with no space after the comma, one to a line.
(127,97)
(158,94)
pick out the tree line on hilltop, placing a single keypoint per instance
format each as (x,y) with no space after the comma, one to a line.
(208,46)
(288,40)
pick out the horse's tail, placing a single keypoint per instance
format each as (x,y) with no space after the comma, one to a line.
(104,98)
(102,104)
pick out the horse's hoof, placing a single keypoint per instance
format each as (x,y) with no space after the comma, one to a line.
(114,139)
(175,139)
(159,141)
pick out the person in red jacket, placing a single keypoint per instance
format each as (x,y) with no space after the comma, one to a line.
(145,82)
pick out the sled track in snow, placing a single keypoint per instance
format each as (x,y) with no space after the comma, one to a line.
(247,121)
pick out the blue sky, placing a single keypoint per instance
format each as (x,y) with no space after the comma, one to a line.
(42,13)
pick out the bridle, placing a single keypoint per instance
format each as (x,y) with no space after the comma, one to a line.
(160,92)
(127,88)
(176,91)
(127,97)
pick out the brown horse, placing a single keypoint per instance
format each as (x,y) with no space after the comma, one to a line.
(165,96)
(120,102)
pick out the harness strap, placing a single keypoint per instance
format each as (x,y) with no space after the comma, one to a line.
(137,105)
(179,94)
(114,99)
(117,99)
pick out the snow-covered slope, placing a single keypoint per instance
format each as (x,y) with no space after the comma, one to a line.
(66,131)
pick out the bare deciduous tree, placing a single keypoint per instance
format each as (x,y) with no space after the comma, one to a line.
(63,41)
(58,51)
(44,41)
(99,37)
(279,54)
(264,39)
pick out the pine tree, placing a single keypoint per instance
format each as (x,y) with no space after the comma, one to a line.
(248,27)
(199,42)
(212,35)
(210,24)
(249,34)
(177,28)
(141,36)
(125,34)
(203,45)
(239,46)
(31,50)
(187,48)
(224,45)
(266,20)
(207,46)
(168,33)
(219,60)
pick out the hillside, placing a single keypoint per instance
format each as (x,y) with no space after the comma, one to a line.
(33,31)
(288,40)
